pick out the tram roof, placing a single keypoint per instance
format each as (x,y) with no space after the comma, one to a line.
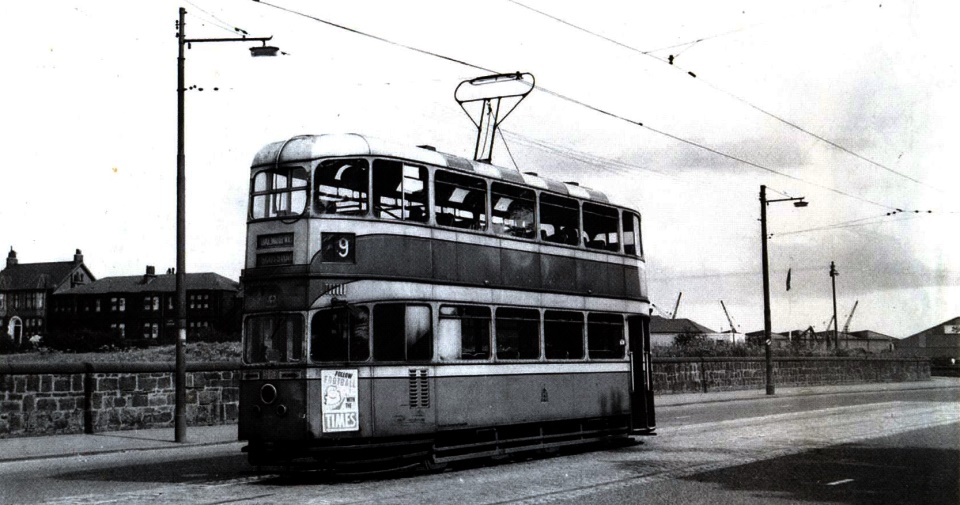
(309,147)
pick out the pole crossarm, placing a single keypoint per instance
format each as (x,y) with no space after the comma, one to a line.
(229,39)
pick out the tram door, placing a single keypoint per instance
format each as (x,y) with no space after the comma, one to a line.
(641,396)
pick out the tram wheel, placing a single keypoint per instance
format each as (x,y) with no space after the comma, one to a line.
(431,464)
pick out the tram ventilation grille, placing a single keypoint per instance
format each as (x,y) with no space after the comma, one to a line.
(419,388)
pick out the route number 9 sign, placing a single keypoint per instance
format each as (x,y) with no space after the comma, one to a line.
(338,247)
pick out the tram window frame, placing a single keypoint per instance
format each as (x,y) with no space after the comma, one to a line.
(514,333)
(398,198)
(351,340)
(602,343)
(279,192)
(601,224)
(513,210)
(560,341)
(464,201)
(463,327)
(632,236)
(559,219)
(415,343)
(292,349)
(352,198)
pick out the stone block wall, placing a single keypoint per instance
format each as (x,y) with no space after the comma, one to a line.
(705,375)
(84,398)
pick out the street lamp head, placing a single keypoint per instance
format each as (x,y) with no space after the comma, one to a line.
(800,203)
(264,50)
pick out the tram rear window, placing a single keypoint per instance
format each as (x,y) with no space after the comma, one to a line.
(399,191)
(518,333)
(513,210)
(600,225)
(402,332)
(605,336)
(273,338)
(563,334)
(461,201)
(340,334)
(559,219)
(278,192)
(463,333)
(341,187)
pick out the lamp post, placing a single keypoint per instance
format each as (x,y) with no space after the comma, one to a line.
(179,417)
(768,353)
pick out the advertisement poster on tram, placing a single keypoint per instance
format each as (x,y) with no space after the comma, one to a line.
(339,406)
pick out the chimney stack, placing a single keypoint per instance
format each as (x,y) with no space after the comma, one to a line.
(78,257)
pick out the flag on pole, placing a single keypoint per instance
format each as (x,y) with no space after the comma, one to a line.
(788,278)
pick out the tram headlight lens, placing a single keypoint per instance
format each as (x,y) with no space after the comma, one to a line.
(268,394)
(281,410)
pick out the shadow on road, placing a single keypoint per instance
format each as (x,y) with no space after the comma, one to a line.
(180,471)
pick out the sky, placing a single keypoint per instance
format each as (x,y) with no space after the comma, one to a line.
(850,104)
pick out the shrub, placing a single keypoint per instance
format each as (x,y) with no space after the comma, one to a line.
(84,340)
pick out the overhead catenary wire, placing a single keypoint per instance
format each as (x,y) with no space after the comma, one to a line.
(578,102)
(728,93)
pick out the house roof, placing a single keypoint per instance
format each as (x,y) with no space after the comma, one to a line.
(869,335)
(679,325)
(36,275)
(165,283)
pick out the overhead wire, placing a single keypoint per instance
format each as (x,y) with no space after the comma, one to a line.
(728,93)
(577,102)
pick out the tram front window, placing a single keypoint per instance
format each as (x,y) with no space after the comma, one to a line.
(278,192)
(340,334)
(273,338)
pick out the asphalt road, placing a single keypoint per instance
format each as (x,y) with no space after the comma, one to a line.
(865,448)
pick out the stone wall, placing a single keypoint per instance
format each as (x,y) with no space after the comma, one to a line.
(88,398)
(43,399)
(705,375)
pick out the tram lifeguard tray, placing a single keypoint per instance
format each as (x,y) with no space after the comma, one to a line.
(489,92)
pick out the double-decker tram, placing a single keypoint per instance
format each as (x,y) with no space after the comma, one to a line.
(405,304)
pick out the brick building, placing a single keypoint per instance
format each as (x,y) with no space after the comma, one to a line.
(26,290)
(143,307)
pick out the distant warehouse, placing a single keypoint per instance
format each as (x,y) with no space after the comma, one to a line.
(941,341)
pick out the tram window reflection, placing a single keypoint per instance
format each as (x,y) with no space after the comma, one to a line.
(518,333)
(512,211)
(559,219)
(402,332)
(399,191)
(463,333)
(340,334)
(563,335)
(605,338)
(273,338)
(461,201)
(341,187)
(600,224)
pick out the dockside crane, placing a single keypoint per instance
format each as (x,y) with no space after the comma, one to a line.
(733,327)
(669,315)
(676,306)
(846,325)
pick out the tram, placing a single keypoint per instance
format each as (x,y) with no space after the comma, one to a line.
(403,304)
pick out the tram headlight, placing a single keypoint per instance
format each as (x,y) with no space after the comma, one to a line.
(268,394)
(281,410)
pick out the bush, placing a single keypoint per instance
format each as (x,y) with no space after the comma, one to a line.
(84,340)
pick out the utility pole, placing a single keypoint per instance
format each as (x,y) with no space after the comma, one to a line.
(833,281)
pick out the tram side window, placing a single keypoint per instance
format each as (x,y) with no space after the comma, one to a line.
(341,187)
(559,219)
(402,332)
(600,224)
(513,210)
(631,234)
(340,334)
(461,201)
(605,336)
(563,334)
(273,338)
(463,333)
(399,191)
(518,333)
(278,192)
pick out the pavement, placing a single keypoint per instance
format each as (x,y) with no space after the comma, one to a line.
(60,446)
